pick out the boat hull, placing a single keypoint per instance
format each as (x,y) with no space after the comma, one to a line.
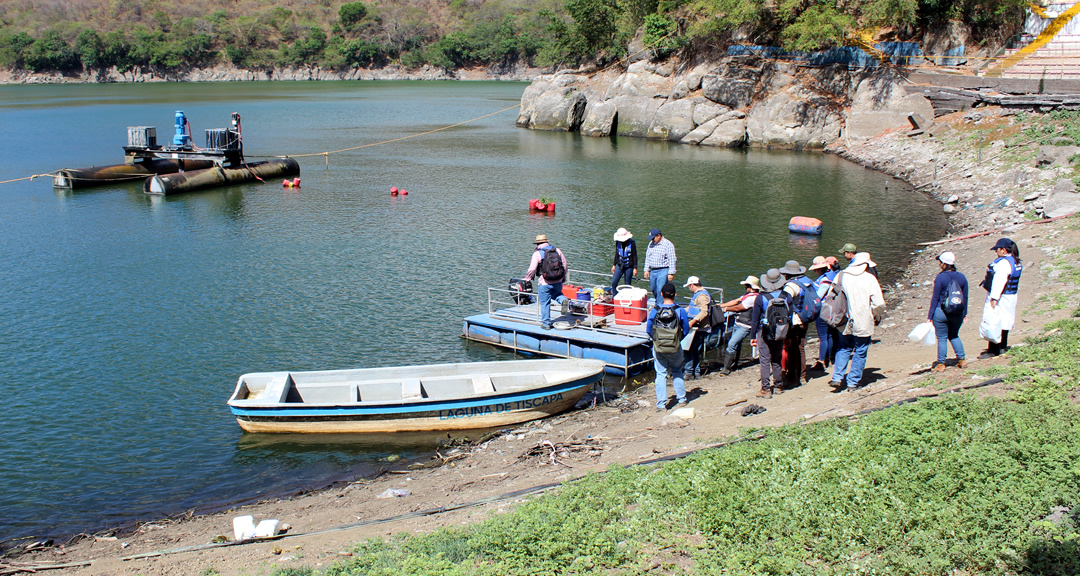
(417,415)
(71,178)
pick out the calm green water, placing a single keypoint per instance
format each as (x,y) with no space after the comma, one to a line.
(127,319)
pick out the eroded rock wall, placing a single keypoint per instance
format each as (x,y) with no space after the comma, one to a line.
(735,102)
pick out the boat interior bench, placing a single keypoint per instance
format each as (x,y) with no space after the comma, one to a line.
(406,389)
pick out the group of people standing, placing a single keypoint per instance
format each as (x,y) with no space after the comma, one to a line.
(777,308)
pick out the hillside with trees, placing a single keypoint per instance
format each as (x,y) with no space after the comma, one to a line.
(75,36)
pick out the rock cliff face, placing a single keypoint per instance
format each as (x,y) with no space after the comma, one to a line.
(736,102)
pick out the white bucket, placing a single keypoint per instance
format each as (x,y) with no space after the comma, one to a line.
(266,529)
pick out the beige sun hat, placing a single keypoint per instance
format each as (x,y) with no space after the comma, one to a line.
(622,235)
(862,258)
(541,239)
(752,282)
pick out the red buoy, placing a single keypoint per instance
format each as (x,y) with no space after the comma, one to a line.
(404,192)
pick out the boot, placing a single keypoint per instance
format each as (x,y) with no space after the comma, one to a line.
(729,362)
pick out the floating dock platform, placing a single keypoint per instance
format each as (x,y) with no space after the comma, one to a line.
(625,349)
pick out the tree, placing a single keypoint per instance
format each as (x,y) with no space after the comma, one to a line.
(90,48)
(351,14)
(596,22)
(51,52)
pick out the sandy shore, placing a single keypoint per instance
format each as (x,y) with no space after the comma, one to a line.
(477,481)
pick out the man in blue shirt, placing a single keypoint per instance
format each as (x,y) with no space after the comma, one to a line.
(667,345)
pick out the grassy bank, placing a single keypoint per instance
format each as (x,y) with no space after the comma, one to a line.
(954,485)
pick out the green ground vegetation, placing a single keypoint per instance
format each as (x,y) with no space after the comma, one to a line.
(88,35)
(955,485)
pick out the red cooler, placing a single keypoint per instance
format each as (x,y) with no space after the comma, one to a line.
(630,306)
(570,291)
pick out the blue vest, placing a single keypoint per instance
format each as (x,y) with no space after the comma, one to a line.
(1013,282)
(622,250)
(693,310)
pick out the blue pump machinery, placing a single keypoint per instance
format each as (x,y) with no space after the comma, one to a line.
(182,138)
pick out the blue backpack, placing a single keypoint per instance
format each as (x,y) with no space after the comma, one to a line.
(808,305)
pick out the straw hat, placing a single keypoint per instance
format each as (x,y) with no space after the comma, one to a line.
(622,235)
(819,263)
(752,282)
(541,239)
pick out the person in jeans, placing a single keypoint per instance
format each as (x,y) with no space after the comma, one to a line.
(547,289)
(624,266)
(743,306)
(669,362)
(659,262)
(826,267)
(770,350)
(947,326)
(865,305)
(698,312)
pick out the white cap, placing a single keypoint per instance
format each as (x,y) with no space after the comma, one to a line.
(947,258)
(862,258)
(692,280)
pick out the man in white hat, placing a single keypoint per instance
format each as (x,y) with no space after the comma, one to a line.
(865,306)
(698,312)
(549,264)
(624,267)
(743,306)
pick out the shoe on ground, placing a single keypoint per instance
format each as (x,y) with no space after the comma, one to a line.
(764,393)
(659,408)
(836,383)
(939,367)
(819,365)
(545,326)
(961,363)
(987,355)
(682,402)
(564,307)
(850,389)
(777,390)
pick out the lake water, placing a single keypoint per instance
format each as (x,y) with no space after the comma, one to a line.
(127,319)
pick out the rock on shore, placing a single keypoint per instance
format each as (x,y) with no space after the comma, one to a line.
(734,102)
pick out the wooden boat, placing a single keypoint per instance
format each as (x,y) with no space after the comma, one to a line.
(412,398)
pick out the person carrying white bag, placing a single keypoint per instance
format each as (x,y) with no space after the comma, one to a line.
(1001,283)
(948,311)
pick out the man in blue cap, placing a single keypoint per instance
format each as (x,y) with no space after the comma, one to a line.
(659,262)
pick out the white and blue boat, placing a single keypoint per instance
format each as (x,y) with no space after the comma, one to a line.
(461,396)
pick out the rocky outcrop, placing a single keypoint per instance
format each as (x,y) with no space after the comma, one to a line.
(736,102)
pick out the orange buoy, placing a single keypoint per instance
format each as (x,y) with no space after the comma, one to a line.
(804,225)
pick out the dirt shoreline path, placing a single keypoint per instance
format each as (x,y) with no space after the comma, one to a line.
(473,483)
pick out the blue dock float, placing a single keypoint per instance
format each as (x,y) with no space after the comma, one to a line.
(624,348)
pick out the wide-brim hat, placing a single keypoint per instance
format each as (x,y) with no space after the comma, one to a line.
(849,247)
(862,258)
(792,268)
(752,282)
(541,239)
(622,235)
(819,263)
(772,280)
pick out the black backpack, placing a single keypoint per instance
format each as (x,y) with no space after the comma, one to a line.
(667,331)
(954,298)
(778,316)
(551,266)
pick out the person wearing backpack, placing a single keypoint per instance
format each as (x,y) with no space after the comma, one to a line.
(948,310)
(771,321)
(807,306)
(698,312)
(624,267)
(827,268)
(865,306)
(666,325)
(1001,283)
(548,264)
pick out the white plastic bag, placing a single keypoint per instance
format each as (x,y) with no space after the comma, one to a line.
(990,327)
(924,332)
